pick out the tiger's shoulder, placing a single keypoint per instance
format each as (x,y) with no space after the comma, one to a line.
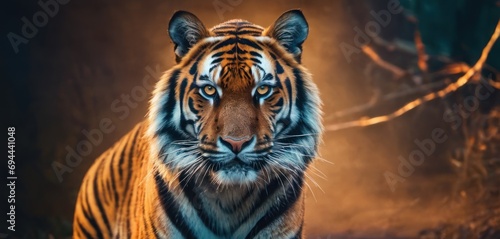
(109,182)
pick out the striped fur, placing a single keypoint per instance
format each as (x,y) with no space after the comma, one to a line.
(230,132)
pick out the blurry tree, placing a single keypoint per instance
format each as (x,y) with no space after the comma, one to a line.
(457,29)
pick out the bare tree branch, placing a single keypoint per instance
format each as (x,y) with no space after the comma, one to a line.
(495,84)
(398,72)
(422,56)
(426,98)
(390,96)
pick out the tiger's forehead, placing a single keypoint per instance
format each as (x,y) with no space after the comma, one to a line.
(237,57)
(237,62)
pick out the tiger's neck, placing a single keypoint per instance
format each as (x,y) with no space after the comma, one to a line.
(202,208)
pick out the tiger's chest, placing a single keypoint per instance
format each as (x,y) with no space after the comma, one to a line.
(189,210)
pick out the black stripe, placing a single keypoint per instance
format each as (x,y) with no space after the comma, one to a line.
(188,189)
(99,204)
(127,222)
(183,121)
(224,27)
(104,186)
(240,50)
(204,78)
(241,58)
(218,54)
(273,56)
(194,68)
(254,53)
(217,60)
(127,201)
(211,151)
(224,43)
(279,103)
(285,202)
(287,120)
(302,99)
(82,229)
(172,133)
(170,102)
(260,68)
(303,102)
(237,26)
(212,68)
(288,86)
(130,157)
(89,215)
(233,50)
(113,179)
(191,106)
(249,32)
(247,42)
(247,74)
(120,162)
(278,82)
(224,73)
(279,68)
(166,129)
(171,208)
(264,194)
(299,129)
(182,91)
(255,60)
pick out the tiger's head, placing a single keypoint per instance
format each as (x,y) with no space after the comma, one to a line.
(238,108)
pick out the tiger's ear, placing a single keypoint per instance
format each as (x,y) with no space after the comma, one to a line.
(290,30)
(185,30)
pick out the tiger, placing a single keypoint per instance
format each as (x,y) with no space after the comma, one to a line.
(223,150)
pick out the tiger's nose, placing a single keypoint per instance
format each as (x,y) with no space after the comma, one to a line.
(236,144)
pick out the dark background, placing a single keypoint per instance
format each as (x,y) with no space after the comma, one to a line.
(65,79)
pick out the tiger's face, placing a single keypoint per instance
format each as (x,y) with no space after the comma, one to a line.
(239,105)
(238,108)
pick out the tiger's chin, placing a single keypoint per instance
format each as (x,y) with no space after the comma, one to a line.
(235,174)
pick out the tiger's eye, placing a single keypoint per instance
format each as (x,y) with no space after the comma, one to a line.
(263,89)
(209,90)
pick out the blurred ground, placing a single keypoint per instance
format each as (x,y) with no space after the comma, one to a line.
(68,76)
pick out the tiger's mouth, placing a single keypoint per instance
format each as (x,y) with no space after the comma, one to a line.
(232,162)
(237,164)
